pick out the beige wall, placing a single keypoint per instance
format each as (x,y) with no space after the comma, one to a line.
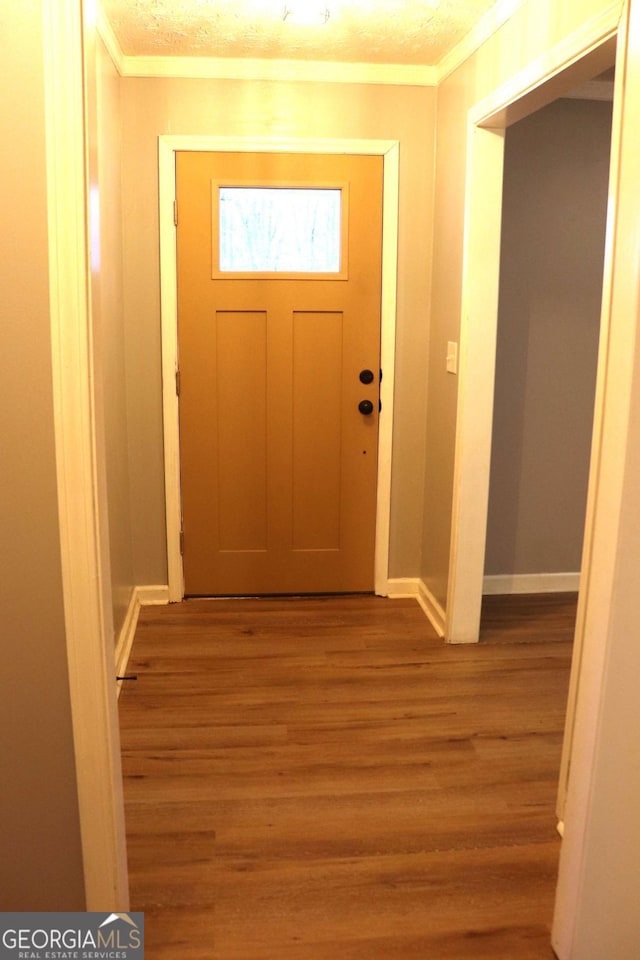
(40,866)
(108,316)
(236,108)
(527,36)
(556,177)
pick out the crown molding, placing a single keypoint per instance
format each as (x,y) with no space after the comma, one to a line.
(495,18)
(228,68)
(105,31)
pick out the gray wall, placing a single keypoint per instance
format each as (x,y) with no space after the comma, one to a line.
(553,232)
(40,865)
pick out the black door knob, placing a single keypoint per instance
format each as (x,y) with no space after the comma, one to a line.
(366,376)
(365,407)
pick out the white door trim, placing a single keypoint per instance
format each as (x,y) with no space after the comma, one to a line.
(601,702)
(85,574)
(168,146)
(570,62)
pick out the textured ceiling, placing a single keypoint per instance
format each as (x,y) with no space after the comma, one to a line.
(358,31)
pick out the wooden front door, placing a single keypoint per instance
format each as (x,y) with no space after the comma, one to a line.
(278,452)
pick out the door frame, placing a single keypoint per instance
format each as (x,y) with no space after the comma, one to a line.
(569,64)
(168,146)
(566,65)
(572,62)
(86,583)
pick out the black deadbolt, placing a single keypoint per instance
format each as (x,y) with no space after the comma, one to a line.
(365,407)
(366,376)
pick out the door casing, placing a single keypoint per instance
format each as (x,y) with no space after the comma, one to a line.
(569,64)
(487,122)
(169,145)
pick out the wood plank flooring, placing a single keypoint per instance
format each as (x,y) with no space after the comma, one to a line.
(325,778)
(526,617)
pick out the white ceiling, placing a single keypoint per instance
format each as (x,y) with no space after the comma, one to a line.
(358,31)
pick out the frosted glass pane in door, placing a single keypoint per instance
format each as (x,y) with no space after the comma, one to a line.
(279,229)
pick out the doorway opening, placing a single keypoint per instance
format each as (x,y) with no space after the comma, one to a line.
(481,284)
(556,179)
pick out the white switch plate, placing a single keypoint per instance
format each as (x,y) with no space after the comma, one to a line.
(452,357)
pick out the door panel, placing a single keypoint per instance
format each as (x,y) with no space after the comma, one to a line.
(317,422)
(240,379)
(278,465)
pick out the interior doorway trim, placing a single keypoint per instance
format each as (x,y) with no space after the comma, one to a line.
(86,581)
(167,148)
(584,54)
(593,49)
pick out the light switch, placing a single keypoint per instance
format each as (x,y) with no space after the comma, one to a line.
(452,357)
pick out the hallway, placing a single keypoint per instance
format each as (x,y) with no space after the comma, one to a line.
(307,779)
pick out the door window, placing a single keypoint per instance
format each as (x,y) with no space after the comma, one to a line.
(279,231)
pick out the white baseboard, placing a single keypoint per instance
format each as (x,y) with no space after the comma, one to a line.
(531,583)
(435,613)
(140,597)
(403,587)
(151,595)
(126,635)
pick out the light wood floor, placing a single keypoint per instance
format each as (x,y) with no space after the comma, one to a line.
(324,779)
